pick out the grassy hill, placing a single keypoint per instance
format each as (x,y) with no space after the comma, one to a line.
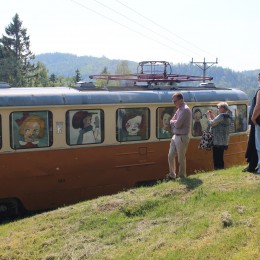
(212,215)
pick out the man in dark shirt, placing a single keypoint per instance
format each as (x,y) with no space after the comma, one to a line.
(256,113)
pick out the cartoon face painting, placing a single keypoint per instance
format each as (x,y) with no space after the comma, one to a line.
(31,129)
(83,120)
(164,127)
(87,121)
(197,127)
(166,121)
(197,115)
(133,125)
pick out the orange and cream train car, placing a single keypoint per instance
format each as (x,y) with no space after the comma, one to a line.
(62,145)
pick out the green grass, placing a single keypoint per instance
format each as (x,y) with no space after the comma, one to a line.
(212,215)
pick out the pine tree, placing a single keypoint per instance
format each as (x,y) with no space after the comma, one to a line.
(77,77)
(16,55)
(6,61)
(41,79)
(53,79)
(102,82)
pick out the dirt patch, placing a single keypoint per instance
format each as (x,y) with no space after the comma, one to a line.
(110,206)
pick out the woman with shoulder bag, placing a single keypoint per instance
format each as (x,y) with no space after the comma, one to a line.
(220,125)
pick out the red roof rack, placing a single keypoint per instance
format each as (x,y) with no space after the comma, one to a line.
(152,72)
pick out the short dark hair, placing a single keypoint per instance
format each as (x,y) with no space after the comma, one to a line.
(168,110)
(197,110)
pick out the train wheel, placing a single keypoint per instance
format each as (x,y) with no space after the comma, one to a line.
(10,208)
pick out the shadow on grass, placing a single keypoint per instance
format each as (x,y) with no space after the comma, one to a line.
(149,183)
(22,215)
(191,184)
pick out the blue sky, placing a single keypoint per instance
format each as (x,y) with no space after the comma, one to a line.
(138,30)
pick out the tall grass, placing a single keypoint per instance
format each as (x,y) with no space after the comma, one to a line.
(213,215)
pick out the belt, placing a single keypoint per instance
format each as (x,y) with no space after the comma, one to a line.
(180,134)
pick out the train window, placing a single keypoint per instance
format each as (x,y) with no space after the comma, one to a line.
(164,115)
(31,129)
(133,124)
(84,126)
(199,119)
(239,118)
(238,114)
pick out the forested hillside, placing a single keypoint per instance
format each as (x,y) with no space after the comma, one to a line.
(62,64)
(66,64)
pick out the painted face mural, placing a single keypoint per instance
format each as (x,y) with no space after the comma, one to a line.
(133,125)
(166,121)
(87,123)
(164,116)
(197,115)
(31,129)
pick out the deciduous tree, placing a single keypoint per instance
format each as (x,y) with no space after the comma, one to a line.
(122,68)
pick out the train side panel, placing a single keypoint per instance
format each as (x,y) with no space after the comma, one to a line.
(49,179)
(64,172)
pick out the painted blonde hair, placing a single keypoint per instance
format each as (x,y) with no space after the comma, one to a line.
(32,119)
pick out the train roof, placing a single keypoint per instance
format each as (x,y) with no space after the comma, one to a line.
(154,82)
(52,96)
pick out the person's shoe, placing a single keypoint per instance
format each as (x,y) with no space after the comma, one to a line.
(169,177)
(181,178)
(246,169)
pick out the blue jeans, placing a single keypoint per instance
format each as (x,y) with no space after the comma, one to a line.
(257,144)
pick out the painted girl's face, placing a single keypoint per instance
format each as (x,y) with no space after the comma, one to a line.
(87,121)
(197,116)
(133,125)
(166,121)
(31,131)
